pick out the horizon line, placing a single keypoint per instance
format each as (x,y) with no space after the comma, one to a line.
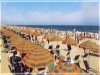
(53,25)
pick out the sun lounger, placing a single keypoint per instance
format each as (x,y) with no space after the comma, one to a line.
(92,54)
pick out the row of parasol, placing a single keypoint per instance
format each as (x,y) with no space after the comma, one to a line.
(38,57)
(87,44)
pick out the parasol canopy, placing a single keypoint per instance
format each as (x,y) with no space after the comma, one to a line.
(69,41)
(14,37)
(36,33)
(47,36)
(56,38)
(9,34)
(38,58)
(67,69)
(16,42)
(89,45)
(25,46)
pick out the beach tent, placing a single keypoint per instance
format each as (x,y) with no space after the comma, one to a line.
(38,58)
(67,69)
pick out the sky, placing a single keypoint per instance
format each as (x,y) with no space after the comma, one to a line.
(50,13)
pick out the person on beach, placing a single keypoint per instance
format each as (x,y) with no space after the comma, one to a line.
(68,47)
(48,41)
(77,39)
(74,31)
(84,34)
(50,49)
(15,62)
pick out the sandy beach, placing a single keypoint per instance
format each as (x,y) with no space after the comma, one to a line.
(93,60)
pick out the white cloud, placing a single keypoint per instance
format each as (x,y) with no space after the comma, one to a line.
(88,10)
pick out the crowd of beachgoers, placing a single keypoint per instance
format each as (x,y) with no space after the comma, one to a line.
(32,50)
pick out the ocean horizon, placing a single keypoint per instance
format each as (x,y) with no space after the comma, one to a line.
(81,28)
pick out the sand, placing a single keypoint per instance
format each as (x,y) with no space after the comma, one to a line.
(93,61)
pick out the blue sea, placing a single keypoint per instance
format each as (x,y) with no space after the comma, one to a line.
(67,27)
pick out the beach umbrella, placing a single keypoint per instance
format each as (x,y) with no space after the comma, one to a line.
(25,46)
(16,42)
(47,36)
(9,34)
(89,45)
(14,37)
(38,58)
(56,38)
(28,32)
(36,33)
(5,32)
(67,69)
(22,30)
(69,41)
